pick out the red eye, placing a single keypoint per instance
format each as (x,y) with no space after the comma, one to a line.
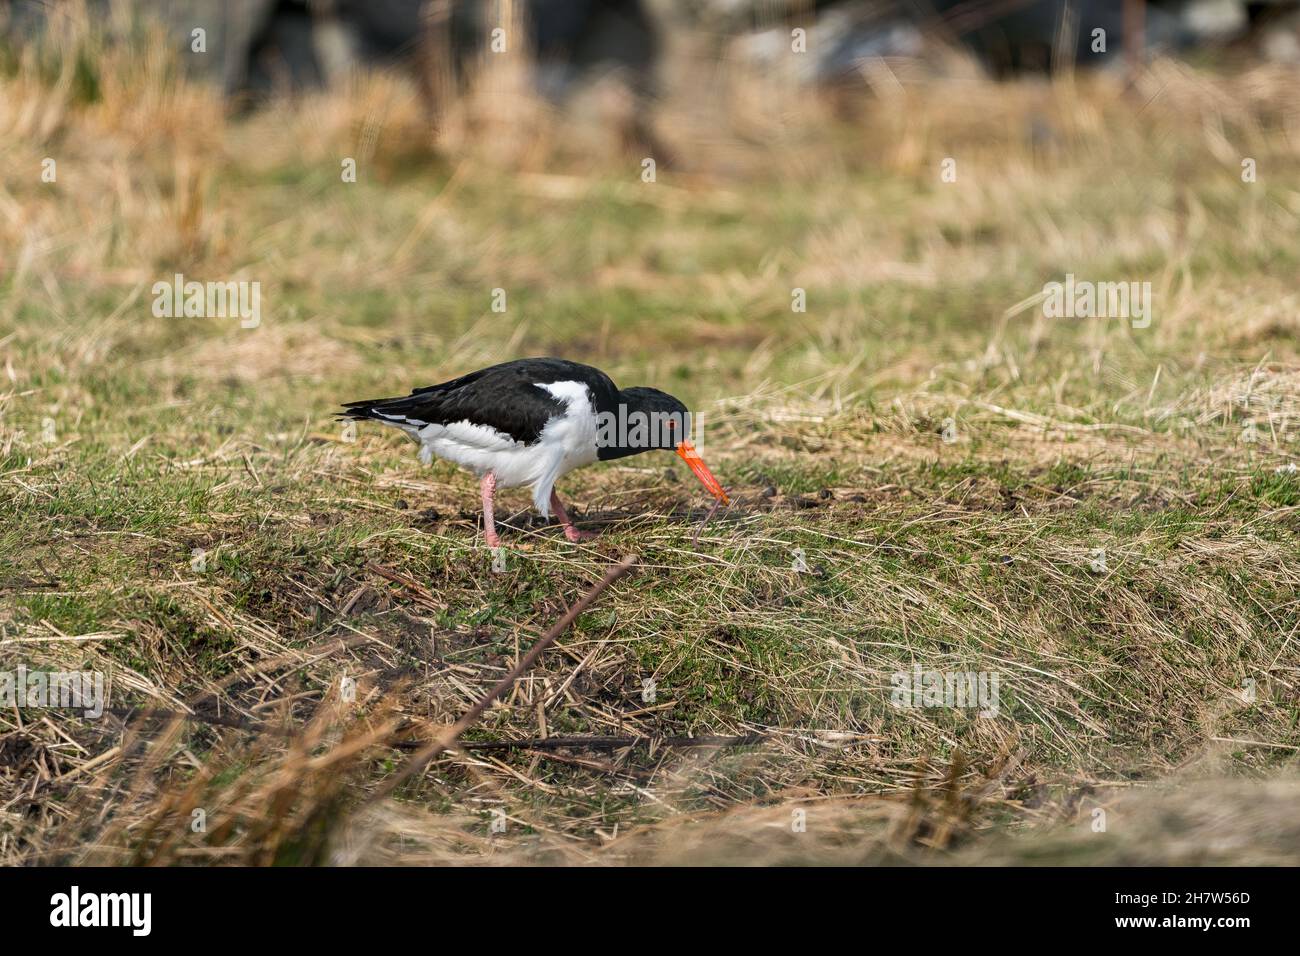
(671,424)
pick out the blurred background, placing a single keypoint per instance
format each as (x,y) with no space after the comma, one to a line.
(827,227)
(263,47)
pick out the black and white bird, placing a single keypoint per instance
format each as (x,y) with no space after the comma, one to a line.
(528,422)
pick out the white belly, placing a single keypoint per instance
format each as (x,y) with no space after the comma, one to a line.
(566,442)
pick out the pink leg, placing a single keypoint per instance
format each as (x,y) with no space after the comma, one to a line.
(570,532)
(488,485)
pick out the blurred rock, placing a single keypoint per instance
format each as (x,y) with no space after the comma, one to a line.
(1006,38)
(287,42)
(1276,32)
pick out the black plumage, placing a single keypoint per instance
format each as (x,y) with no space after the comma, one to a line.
(505,397)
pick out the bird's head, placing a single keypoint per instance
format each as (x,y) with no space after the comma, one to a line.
(648,419)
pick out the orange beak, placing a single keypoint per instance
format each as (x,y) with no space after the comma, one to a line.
(692,457)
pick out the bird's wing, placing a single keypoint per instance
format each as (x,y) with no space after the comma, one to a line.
(501,398)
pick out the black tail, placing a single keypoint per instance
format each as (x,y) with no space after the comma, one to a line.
(363,410)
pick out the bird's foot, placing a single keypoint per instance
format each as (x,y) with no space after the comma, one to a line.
(492,539)
(574,535)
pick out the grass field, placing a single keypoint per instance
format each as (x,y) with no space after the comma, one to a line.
(926,472)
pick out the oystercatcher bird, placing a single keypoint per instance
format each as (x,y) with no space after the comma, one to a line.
(530,421)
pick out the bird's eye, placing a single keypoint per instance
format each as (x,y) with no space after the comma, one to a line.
(671,424)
